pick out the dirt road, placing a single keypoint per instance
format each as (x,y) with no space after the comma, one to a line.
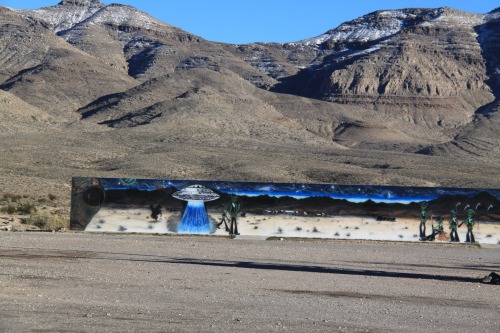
(81,282)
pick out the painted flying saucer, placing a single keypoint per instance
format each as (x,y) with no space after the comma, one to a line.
(196,193)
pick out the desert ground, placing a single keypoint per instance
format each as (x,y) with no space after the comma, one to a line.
(97,282)
(339,227)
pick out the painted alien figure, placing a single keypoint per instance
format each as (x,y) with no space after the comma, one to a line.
(439,228)
(230,215)
(454,226)
(470,225)
(423,219)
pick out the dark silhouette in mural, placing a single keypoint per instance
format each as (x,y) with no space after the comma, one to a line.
(423,219)
(224,220)
(454,226)
(156,212)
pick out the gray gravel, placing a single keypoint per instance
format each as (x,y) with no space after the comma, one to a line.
(81,282)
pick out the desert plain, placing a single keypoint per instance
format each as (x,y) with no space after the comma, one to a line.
(97,282)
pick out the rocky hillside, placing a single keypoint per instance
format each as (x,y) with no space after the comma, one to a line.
(94,89)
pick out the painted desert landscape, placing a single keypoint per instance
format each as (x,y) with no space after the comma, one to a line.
(346,227)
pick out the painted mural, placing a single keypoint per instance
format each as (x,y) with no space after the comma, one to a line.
(393,213)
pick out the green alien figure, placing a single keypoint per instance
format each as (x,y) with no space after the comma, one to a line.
(439,228)
(454,226)
(423,219)
(230,214)
(470,225)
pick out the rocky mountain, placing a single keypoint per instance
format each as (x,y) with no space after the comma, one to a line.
(402,97)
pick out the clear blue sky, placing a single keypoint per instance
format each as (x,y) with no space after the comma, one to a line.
(246,21)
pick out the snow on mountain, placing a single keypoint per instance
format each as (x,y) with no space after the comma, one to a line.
(454,17)
(69,14)
(125,17)
(381,24)
(116,14)
(63,16)
(364,29)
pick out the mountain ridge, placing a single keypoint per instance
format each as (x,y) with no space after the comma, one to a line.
(402,85)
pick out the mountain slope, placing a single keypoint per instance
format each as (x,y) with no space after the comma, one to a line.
(45,71)
(404,56)
(396,97)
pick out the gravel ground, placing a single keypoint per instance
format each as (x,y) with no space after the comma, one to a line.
(81,282)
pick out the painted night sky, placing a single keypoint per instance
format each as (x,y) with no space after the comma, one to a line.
(353,193)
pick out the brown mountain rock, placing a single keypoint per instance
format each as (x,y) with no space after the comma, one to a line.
(403,97)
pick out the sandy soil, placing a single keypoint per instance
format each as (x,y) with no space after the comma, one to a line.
(346,227)
(90,282)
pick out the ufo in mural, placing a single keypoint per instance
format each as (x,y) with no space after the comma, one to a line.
(196,193)
(195,219)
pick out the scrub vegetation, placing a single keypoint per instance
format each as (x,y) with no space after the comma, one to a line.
(41,212)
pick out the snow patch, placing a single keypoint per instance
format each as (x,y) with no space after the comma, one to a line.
(65,17)
(386,23)
(363,29)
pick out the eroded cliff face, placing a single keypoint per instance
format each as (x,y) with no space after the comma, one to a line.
(408,53)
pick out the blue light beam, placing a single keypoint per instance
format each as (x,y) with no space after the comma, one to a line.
(195,219)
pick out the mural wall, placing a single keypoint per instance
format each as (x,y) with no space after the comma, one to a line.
(286,210)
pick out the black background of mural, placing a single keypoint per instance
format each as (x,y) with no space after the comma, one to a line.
(315,205)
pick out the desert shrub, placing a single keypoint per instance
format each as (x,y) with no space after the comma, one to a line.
(400,236)
(26,208)
(298,229)
(489,235)
(42,200)
(256,227)
(11,197)
(52,197)
(48,221)
(315,229)
(348,234)
(280,230)
(9,209)
(356,228)
(337,234)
